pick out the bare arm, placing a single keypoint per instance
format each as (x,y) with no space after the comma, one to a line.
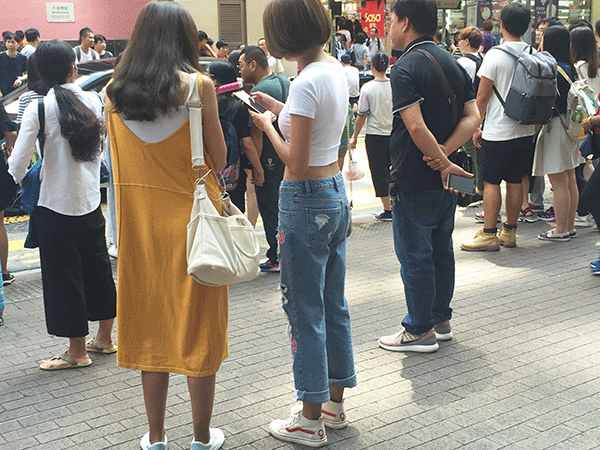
(484,94)
(360,121)
(258,174)
(214,142)
(257,138)
(465,128)
(294,155)
(427,144)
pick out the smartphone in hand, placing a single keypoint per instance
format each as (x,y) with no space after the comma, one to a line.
(245,98)
(461,184)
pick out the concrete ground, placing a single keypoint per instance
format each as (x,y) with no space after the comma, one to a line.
(520,373)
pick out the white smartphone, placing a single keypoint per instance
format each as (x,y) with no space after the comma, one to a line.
(245,98)
(461,184)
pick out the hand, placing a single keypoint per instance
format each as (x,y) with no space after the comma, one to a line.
(456,170)
(258,176)
(586,124)
(268,102)
(17,82)
(262,121)
(435,164)
(477,138)
(352,143)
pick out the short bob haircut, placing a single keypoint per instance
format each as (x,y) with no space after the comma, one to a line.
(421,14)
(473,34)
(515,18)
(294,26)
(164,41)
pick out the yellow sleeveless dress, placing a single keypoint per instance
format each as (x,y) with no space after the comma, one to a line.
(166,322)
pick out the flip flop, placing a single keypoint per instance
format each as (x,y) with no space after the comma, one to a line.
(91,346)
(71,363)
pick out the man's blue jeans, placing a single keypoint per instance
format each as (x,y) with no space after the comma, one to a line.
(423,223)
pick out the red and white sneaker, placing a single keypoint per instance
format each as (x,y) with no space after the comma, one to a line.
(334,415)
(298,429)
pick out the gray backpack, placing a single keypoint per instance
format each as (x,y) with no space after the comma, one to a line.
(532,89)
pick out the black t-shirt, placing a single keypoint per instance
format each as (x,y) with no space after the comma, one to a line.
(10,69)
(414,80)
(236,114)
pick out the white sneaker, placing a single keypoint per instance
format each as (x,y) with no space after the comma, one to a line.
(299,429)
(145,443)
(583,221)
(217,438)
(334,415)
(112,251)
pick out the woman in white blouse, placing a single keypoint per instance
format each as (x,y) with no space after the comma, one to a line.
(76,273)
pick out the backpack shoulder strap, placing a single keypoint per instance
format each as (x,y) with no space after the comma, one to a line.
(78,52)
(508,50)
(445,83)
(564,74)
(42,133)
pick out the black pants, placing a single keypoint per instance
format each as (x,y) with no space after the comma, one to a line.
(267,197)
(378,153)
(590,196)
(76,273)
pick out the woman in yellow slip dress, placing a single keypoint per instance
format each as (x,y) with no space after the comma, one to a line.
(168,322)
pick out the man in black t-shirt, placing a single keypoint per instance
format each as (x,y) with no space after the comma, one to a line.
(13,66)
(425,131)
(254,68)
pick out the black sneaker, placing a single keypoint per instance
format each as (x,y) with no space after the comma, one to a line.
(385,216)
(548,216)
(269,266)
(7,279)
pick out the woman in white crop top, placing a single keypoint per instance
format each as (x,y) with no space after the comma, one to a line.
(314,218)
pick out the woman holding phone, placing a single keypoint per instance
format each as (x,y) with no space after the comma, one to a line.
(314,218)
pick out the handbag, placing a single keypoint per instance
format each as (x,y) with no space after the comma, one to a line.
(222,249)
(31,182)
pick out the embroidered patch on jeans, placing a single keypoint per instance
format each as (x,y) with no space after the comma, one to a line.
(281,238)
(293,342)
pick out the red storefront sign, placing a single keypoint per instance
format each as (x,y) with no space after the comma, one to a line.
(373,14)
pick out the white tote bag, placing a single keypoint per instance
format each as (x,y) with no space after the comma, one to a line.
(222,249)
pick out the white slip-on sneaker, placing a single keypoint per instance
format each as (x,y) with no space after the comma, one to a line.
(217,438)
(299,430)
(145,443)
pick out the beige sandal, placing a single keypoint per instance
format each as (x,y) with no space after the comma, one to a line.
(91,346)
(71,363)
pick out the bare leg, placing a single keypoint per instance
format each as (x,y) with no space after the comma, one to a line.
(104,338)
(514,198)
(387,205)
(562,200)
(492,200)
(3,244)
(251,204)
(574,201)
(312,411)
(336,394)
(525,185)
(155,386)
(202,395)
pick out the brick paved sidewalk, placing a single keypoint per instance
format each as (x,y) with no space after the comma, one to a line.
(521,372)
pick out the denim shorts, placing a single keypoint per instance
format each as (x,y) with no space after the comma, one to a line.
(314,216)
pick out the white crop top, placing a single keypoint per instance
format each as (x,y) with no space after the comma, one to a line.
(320,92)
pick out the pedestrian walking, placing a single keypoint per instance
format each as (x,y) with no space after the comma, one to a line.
(314,218)
(167,322)
(76,272)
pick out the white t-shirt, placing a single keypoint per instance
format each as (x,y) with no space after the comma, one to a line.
(469,65)
(353,78)
(81,56)
(498,67)
(28,50)
(374,46)
(376,101)
(274,64)
(69,187)
(319,92)
(582,71)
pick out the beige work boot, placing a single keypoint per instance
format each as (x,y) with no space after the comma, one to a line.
(482,242)
(507,238)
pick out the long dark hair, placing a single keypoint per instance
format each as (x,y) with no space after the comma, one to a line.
(164,41)
(583,48)
(34,82)
(557,42)
(79,125)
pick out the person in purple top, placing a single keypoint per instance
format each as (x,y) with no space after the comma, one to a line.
(489,40)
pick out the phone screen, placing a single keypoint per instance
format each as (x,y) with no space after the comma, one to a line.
(461,184)
(245,98)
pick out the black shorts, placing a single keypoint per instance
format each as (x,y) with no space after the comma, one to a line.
(506,160)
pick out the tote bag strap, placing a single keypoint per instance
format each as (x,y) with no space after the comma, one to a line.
(194,105)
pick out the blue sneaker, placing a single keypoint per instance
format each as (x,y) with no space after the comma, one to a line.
(595,266)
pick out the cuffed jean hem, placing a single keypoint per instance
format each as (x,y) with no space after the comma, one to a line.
(349,382)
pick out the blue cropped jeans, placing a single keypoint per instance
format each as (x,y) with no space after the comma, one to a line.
(314,217)
(423,223)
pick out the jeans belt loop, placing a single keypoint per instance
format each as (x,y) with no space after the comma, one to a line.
(307,186)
